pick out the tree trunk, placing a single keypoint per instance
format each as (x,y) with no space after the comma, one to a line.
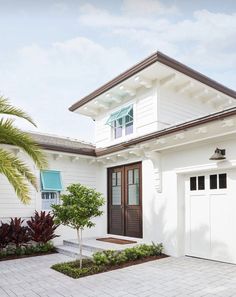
(79,234)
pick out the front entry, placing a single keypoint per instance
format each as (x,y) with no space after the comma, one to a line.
(125,200)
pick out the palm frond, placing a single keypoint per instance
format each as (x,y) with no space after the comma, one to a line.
(17,175)
(7,108)
(9,134)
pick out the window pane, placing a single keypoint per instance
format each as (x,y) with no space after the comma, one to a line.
(223,181)
(118,178)
(114,178)
(116,195)
(193,183)
(201,183)
(129,128)
(133,194)
(136,176)
(213,181)
(49,198)
(118,132)
(130,177)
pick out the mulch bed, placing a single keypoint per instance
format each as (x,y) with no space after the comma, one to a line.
(72,269)
(15,257)
(116,240)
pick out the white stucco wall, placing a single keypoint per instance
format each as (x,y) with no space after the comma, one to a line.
(164,213)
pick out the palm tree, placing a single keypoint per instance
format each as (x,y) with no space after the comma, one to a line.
(16,171)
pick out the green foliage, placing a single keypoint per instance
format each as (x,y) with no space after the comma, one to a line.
(106,260)
(27,250)
(17,172)
(78,207)
(72,268)
(111,257)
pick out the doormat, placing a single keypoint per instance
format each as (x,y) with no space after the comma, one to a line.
(116,240)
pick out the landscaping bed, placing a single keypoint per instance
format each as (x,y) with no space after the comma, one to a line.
(20,238)
(111,260)
(28,251)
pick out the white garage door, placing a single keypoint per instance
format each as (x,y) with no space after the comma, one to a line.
(211,216)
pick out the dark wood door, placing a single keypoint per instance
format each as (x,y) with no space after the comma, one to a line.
(125,200)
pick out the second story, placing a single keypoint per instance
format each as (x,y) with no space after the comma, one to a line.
(153,95)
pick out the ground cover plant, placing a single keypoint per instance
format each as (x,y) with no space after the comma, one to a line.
(110,260)
(19,238)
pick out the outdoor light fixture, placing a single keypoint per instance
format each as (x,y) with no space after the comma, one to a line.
(219,154)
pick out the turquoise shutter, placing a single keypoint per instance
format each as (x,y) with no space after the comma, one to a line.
(51,180)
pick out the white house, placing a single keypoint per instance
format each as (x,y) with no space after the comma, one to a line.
(157,126)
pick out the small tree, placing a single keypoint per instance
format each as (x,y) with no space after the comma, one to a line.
(77,210)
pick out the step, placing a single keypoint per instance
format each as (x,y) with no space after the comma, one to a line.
(73,251)
(86,246)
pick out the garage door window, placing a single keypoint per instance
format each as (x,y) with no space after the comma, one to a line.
(197,183)
(218,181)
(193,183)
(213,181)
(223,181)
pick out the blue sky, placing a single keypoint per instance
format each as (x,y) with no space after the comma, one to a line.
(53,52)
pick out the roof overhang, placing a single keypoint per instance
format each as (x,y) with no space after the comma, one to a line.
(157,66)
(217,124)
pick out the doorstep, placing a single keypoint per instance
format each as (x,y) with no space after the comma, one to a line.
(91,245)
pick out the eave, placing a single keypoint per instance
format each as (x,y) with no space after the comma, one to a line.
(163,59)
(158,135)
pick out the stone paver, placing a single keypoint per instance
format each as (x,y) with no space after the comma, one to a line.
(170,277)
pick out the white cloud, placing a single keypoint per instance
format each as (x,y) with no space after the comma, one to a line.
(205,40)
(45,81)
(147,8)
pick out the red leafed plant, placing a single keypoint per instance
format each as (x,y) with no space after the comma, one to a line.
(19,234)
(42,227)
(4,235)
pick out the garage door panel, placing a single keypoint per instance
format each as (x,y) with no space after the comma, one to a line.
(199,225)
(221,227)
(211,217)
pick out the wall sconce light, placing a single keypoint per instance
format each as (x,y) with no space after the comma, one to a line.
(219,154)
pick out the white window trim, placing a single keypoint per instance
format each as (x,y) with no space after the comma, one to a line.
(57,199)
(129,136)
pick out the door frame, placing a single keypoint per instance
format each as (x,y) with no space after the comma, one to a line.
(124,190)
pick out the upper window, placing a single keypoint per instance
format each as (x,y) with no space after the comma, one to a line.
(121,122)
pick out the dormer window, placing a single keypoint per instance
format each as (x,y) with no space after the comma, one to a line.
(121,122)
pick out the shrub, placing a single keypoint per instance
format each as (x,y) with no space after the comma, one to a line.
(42,227)
(4,235)
(72,268)
(106,260)
(27,250)
(112,257)
(18,235)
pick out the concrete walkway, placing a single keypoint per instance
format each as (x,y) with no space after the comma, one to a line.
(32,277)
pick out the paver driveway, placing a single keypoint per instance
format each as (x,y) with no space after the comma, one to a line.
(167,277)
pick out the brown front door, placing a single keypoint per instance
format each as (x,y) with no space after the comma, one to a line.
(125,200)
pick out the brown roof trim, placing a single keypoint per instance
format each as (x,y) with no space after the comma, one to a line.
(203,120)
(156,57)
(79,151)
